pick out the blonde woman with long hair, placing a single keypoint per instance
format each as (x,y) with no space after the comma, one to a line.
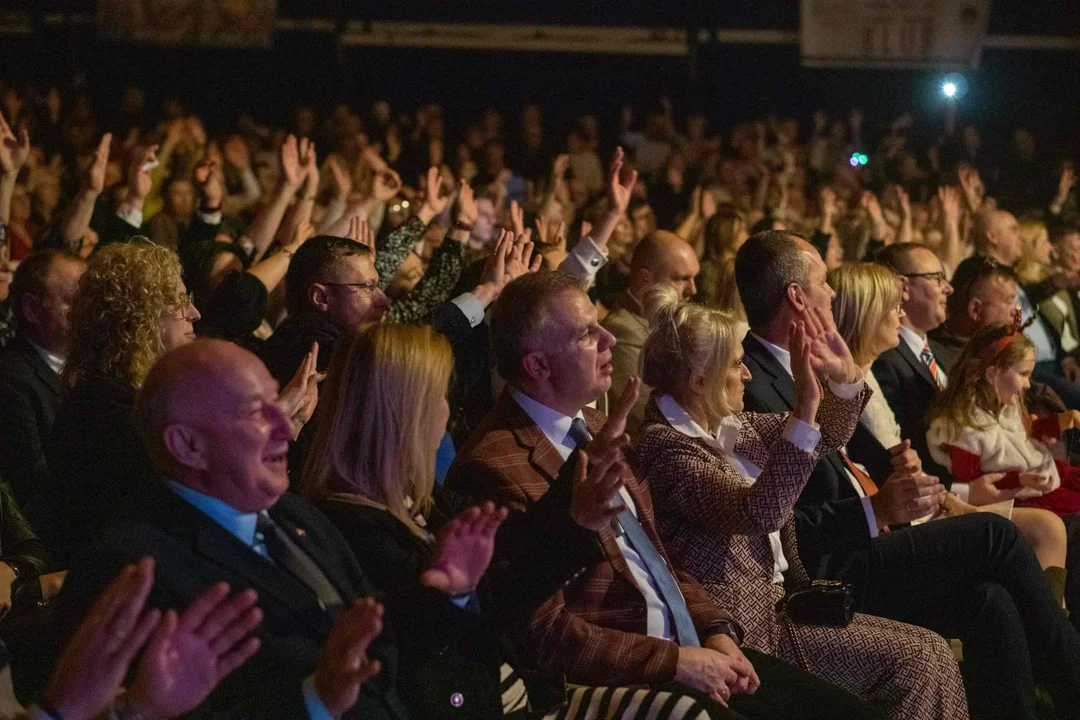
(725,483)
(371,469)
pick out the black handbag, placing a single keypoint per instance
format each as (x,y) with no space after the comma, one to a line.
(822,602)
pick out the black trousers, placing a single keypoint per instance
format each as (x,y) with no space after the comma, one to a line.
(787,693)
(1072,567)
(975,578)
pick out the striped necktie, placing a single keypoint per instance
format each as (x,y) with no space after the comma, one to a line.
(928,359)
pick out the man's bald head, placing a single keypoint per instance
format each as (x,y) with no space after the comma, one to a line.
(209,414)
(996,234)
(664,257)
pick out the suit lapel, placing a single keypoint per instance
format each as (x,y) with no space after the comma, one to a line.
(779,378)
(918,365)
(41,368)
(304,540)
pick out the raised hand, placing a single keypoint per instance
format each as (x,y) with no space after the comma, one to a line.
(97,657)
(612,438)
(236,153)
(292,172)
(594,501)
(465,207)
(299,398)
(361,232)
(433,203)
(517,218)
(829,354)
(1066,182)
(310,160)
(340,178)
(191,653)
(551,235)
(13,150)
(520,259)
(95,177)
(621,181)
(211,186)
(808,393)
(139,181)
(345,666)
(950,204)
(463,550)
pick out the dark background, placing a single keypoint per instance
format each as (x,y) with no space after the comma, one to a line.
(1037,89)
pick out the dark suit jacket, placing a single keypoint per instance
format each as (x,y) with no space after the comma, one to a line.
(29,398)
(552,552)
(595,631)
(96,462)
(829,516)
(909,388)
(192,552)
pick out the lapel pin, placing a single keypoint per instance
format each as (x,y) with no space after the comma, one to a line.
(301,532)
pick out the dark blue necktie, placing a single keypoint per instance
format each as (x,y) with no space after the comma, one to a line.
(685,634)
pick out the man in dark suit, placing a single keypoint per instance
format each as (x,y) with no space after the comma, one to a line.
(635,618)
(30,367)
(971,577)
(220,513)
(909,374)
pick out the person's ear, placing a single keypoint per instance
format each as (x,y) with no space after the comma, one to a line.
(990,375)
(185,446)
(975,309)
(795,296)
(535,365)
(31,309)
(318,297)
(905,289)
(699,384)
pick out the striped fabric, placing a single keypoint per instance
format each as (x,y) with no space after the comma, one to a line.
(621,703)
(512,688)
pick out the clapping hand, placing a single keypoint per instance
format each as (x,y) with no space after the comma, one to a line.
(621,181)
(433,202)
(466,210)
(345,666)
(808,394)
(612,439)
(191,653)
(292,172)
(829,354)
(13,151)
(139,181)
(299,398)
(361,232)
(463,550)
(594,501)
(95,178)
(97,657)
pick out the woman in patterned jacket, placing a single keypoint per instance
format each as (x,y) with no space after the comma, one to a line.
(725,484)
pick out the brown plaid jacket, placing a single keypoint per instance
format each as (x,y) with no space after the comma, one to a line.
(594,630)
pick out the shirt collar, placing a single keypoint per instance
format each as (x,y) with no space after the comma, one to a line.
(782,356)
(914,341)
(723,437)
(552,423)
(240,524)
(51,359)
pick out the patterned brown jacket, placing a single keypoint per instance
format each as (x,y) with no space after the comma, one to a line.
(716,522)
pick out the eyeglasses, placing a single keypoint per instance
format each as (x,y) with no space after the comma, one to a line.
(185,303)
(364,288)
(938,277)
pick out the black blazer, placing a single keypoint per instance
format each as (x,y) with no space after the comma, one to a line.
(537,553)
(29,398)
(910,389)
(97,461)
(829,518)
(192,552)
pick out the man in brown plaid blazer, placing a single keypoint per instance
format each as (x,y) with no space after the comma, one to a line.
(613,625)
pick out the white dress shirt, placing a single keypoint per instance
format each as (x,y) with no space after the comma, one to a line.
(556,427)
(845,392)
(800,434)
(916,343)
(51,359)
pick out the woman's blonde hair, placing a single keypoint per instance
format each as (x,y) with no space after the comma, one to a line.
(968,389)
(1029,269)
(684,339)
(118,314)
(865,294)
(721,232)
(375,440)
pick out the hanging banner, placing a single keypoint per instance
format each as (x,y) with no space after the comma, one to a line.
(893,33)
(231,23)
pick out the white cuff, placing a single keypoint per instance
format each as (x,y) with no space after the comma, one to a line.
(961,490)
(848,391)
(585,260)
(210,218)
(871,519)
(130,215)
(471,306)
(802,434)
